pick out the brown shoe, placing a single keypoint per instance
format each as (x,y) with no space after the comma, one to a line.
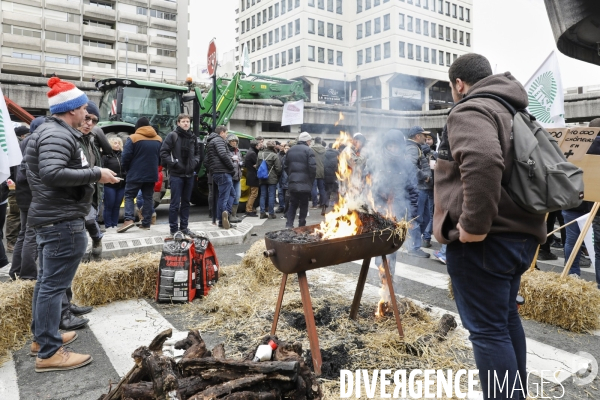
(67,337)
(153,220)
(62,360)
(139,211)
(126,226)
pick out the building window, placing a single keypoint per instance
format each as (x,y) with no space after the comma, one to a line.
(330,30)
(377,25)
(401,20)
(160,52)
(276,10)
(270,13)
(378,52)
(141,11)
(433,56)
(441,32)
(321,4)
(454,35)
(291,56)
(376,3)
(447,59)
(468,14)
(264,40)
(277,60)
(401,50)
(163,15)
(448,8)
(359,57)
(339,58)
(426,4)
(259,66)
(338,32)
(283,35)
(296,6)
(99,24)
(290,29)
(270,38)
(461,13)
(441,6)
(311,3)
(338,9)
(387,50)
(410,51)
(359,8)
(253,22)
(367,28)
(26,56)
(265,64)
(330,8)
(258,19)
(65,37)
(368,55)
(321,55)
(367,5)
(283,6)
(297,26)
(433,26)
(461,37)
(447,34)
(311,53)
(468,39)
(386,22)
(418,3)
(409,25)
(253,45)
(418,53)
(321,29)
(243,5)
(264,13)
(454,57)
(258,43)
(15,30)
(330,57)
(454,11)
(283,58)
(253,68)
(290,5)
(425,28)
(270,63)
(359,31)
(418,26)
(441,54)
(426,54)
(277,35)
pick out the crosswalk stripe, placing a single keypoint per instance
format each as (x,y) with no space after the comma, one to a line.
(123,326)
(9,387)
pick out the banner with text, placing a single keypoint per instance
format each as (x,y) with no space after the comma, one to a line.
(293,113)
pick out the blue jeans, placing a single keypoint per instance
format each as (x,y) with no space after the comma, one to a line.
(323,200)
(112,204)
(237,189)
(485,279)
(596,228)
(573,232)
(224,183)
(60,249)
(414,236)
(280,195)
(181,193)
(139,201)
(131,191)
(267,190)
(425,212)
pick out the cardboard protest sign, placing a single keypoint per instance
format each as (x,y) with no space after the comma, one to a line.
(558,133)
(575,145)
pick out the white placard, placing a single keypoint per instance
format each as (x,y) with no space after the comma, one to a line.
(293,113)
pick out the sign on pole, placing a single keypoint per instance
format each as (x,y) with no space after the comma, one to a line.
(211,59)
(245,61)
(576,148)
(293,113)
(10,152)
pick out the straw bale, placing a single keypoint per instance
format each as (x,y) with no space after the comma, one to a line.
(15,315)
(262,268)
(105,281)
(571,303)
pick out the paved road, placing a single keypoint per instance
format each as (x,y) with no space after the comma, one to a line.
(110,337)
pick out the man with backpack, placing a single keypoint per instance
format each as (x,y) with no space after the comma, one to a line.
(491,240)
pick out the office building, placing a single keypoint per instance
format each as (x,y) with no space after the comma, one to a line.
(400,48)
(85,39)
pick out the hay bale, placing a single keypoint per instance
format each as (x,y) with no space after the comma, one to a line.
(15,314)
(571,303)
(261,269)
(105,281)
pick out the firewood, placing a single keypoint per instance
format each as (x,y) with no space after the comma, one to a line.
(164,378)
(160,339)
(251,396)
(267,367)
(193,345)
(187,388)
(445,325)
(136,374)
(227,388)
(219,351)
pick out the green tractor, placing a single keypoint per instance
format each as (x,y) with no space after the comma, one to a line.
(124,101)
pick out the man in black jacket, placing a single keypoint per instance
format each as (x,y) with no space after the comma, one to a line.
(301,168)
(220,165)
(180,152)
(251,179)
(61,184)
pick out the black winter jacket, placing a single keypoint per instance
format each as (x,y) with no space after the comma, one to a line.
(330,164)
(301,168)
(113,162)
(180,153)
(218,159)
(249,162)
(61,181)
(22,191)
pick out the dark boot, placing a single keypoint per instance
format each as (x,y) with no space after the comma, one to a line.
(70,322)
(263,215)
(324,210)
(96,247)
(76,310)
(234,217)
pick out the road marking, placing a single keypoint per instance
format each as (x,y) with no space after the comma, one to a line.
(417,274)
(9,387)
(124,326)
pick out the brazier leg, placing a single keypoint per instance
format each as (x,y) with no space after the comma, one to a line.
(279,301)
(360,286)
(311,328)
(390,283)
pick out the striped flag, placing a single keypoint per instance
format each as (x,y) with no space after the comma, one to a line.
(545,93)
(10,153)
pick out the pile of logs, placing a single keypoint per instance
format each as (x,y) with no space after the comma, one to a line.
(202,374)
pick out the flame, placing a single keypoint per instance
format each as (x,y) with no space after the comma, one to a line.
(340,118)
(383,307)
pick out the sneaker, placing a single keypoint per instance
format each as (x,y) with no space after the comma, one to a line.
(546,256)
(96,247)
(67,337)
(139,213)
(272,216)
(418,253)
(225,219)
(439,256)
(426,244)
(186,231)
(584,262)
(62,360)
(263,215)
(144,227)
(251,214)
(283,217)
(558,245)
(126,226)
(153,219)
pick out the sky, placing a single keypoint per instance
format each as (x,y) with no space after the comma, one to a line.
(515,35)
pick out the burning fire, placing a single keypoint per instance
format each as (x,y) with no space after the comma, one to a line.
(383,307)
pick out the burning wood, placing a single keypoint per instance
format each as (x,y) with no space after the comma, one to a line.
(202,374)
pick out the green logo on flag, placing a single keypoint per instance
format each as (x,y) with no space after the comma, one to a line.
(542,94)
(3,143)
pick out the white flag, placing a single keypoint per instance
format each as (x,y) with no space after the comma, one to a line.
(588,240)
(293,113)
(10,152)
(546,96)
(246,61)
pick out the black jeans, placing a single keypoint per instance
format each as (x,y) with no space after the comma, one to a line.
(3,258)
(552,217)
(297,199)
(25,254)
(179,207)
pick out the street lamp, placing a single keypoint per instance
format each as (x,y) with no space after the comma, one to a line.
(126,60)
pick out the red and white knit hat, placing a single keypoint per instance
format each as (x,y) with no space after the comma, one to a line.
(64,96)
